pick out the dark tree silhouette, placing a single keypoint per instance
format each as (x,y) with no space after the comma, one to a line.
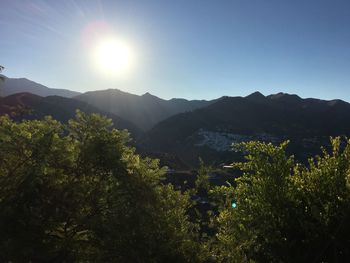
(1,69)
(2,78)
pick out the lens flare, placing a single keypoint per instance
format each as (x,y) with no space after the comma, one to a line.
(113,56)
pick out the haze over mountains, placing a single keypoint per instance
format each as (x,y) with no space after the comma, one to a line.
(144,111)
(30,106)
(197,128)
(18,85)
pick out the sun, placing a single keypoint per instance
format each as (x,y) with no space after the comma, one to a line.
(113,56)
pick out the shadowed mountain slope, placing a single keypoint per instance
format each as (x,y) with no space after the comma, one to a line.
(233,119)
(144,111)
(28,106)
(14,85)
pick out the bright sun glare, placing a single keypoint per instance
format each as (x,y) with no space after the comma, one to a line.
(113,56)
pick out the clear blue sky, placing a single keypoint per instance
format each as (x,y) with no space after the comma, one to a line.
(191,49)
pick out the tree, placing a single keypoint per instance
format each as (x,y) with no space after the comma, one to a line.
(287,212)
(1,69)
(77,192)
(2,78)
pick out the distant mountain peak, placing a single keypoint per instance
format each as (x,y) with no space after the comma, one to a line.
(336,102)
(210,131)
(148,95)
(116,91)
(256,96)
(144,111)
(20,85)
(284,96)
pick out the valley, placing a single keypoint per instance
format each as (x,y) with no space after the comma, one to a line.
(179,131)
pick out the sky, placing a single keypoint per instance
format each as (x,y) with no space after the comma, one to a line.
(194,49)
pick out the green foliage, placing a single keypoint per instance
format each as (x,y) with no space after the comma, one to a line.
(77,192)
(202,181)
(286,212)
(2,78)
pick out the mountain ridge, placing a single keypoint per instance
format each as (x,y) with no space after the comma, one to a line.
(30,106)
(254,117)
(143,110)
(19,85)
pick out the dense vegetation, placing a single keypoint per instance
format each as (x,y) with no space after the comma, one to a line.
(79,193)
(287,212)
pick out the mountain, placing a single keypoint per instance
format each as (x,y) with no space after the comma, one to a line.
(209,132)
(144,111)
(29,106)
(19,85)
